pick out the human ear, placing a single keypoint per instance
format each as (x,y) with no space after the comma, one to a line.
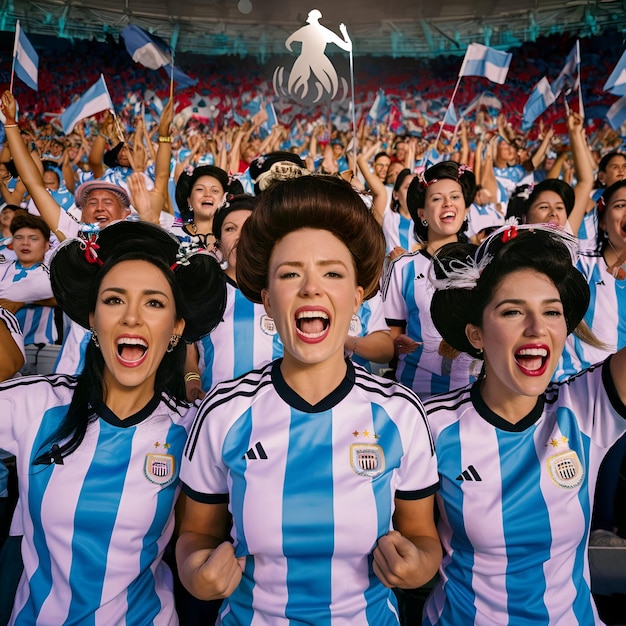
(266,302)
(474,335)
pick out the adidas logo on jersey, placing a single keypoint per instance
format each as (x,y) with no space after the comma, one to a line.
(256,452)
(419,276)
(469,474)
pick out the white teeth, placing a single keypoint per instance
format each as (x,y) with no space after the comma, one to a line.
(132,341)
(542,352)
(446,215)
(312,315)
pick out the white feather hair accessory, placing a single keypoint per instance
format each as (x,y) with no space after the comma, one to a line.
(464,274)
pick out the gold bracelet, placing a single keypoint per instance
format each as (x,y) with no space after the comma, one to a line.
(10,125)
(189,376)
(165,139)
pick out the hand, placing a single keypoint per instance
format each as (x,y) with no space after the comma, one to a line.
(167,115)
(9,107)
(396,252)
(397,561)
(403,344)
(216,571)
(140,196)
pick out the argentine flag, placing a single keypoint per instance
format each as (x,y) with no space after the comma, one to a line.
(540,99)
(616,115)
(152,52)
(25,59)
(94,100)
(616,82)
(480,60)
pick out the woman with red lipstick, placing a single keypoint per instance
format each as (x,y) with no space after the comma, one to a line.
(98,455)
(439,204)
(518,456)
(326,469)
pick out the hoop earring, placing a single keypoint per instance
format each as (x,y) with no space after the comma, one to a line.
(94,336)
(174,339)
(223,265)
(424,222)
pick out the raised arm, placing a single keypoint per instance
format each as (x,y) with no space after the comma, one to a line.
(583,169)
(27,169)
(99,145)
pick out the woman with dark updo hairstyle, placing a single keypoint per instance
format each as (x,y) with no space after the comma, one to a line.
(518,455)
(439,203)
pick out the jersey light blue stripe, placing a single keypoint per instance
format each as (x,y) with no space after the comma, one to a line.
(144,607)
(517,498)
(582,603)
(308,507)
(97,508)
(460,569)
(377,611)
(244,337)
(413,329)
(237,439)
(405,231)
(209,359)
(41,581)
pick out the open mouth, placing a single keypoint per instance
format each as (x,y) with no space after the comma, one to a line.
(131,351)
(448,216)
(312,325)
(532,361)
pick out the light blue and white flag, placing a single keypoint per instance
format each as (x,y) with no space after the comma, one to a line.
(94,100)
(616,115)
(152,52)
(538,102)
(380,108)
(616,82)
(450,118)
(480,60)
(25,59)
(569,78)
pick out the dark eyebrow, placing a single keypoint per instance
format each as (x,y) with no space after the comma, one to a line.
(145,292)
(520,302)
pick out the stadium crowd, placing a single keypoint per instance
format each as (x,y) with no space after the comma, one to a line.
(185,224)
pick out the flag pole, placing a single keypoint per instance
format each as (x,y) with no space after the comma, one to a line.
(456,87)
(17,36)
(354,137)
(581,108)
(172,77)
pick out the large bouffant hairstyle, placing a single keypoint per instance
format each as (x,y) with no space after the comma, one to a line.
(539,250)
(319,202)
(416,193)
(76,273)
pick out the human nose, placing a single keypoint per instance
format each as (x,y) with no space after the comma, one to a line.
(311,285)
(535,326)
(131,315)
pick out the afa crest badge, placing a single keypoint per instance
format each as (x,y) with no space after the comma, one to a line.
(565,469)
(367,459)
(160,469)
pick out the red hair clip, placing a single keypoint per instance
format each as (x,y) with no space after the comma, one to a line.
(509,233)
(601,205)
(91,247)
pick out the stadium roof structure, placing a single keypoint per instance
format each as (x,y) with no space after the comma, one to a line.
(414,28)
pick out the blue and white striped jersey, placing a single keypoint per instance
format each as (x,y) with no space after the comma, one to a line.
(369,318)
(71,357)
(21,284)
(407,294)
(515,503)
(95,526)
(398,231)
(10,321)
(311,489)
(605,316)
(245,339)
